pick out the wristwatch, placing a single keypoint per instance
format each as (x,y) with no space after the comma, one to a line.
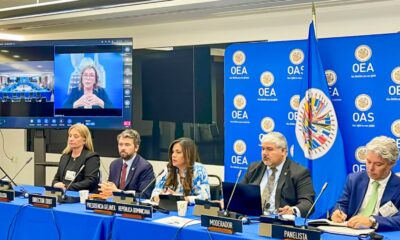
(373,221)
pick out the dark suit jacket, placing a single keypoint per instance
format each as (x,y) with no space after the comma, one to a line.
(294,184)
(353,196)
(140,175)
(89,176)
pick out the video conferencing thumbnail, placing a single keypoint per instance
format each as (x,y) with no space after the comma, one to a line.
(54,84)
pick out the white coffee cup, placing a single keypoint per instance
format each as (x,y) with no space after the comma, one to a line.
(83,195)
(182,208)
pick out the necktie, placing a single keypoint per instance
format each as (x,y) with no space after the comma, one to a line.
(369,209)
(268,189)
(123,176)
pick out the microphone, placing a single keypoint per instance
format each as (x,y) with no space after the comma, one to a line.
(148,185)
(26,163)
(226,213)
(66,199)
(266,205)
(7,176)
(315,202)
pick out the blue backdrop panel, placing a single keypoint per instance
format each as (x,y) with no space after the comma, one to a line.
(263,84)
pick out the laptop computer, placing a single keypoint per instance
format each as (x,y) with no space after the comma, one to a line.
(246,199)
(168,201)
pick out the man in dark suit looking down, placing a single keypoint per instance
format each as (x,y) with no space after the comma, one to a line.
(286,186)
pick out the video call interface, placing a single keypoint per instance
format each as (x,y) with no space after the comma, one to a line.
(55,84)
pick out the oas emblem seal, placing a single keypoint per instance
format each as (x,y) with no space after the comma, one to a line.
(396,128)
(294,102)
(361,154)
(267,124)
(239,57)
(239,147)
(396,75)
(363,53)
(239,101)
(331,77)
(363,102)
(296,56)
(316,125)
(267,79)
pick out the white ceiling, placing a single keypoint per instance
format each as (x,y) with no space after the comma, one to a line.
(150,12)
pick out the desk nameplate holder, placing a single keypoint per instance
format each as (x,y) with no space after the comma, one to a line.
(42,201)
(221,224)
(5,185)
(134,211)
(53,191)
(101,207)
(287,232)
(123,197)
(7,195)
(205,207)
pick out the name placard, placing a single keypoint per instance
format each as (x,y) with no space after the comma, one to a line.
(288,232)
(102,207)
(221,224)
(134,211)
(42,201)
(205,207)
(124,197)
(53,191)
(5,185)
(7,195)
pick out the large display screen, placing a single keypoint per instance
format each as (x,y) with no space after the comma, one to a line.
(54,84)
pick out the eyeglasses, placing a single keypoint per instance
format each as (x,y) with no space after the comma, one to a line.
(89,75)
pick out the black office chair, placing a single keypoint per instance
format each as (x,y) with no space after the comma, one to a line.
(215,188)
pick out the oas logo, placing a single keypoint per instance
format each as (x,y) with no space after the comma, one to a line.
(396,128)
(239,57)
(267,79)
(296,56)
(396,75)
(267,124)
(363,102)
(363,53)
(239,102)
(331,77)
(239,147)
(294,102)
(316,125)
(361,154)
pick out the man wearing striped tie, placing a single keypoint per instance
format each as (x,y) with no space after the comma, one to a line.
(371,199)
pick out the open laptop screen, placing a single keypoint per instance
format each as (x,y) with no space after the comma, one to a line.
(245,200)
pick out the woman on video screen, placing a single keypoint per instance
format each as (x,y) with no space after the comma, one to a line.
(88,94)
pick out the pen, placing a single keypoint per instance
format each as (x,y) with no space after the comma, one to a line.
(341,211)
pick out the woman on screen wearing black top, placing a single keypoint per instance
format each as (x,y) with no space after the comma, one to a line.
(88,94)
(79,152)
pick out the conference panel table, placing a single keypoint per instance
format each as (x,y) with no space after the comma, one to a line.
(19,220)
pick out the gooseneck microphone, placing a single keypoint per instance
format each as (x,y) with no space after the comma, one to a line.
(148,185)
(226,213)
(26,163)
(7,176)
(315,202)
(64,198)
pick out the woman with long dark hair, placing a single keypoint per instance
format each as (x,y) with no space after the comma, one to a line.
(185,175)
